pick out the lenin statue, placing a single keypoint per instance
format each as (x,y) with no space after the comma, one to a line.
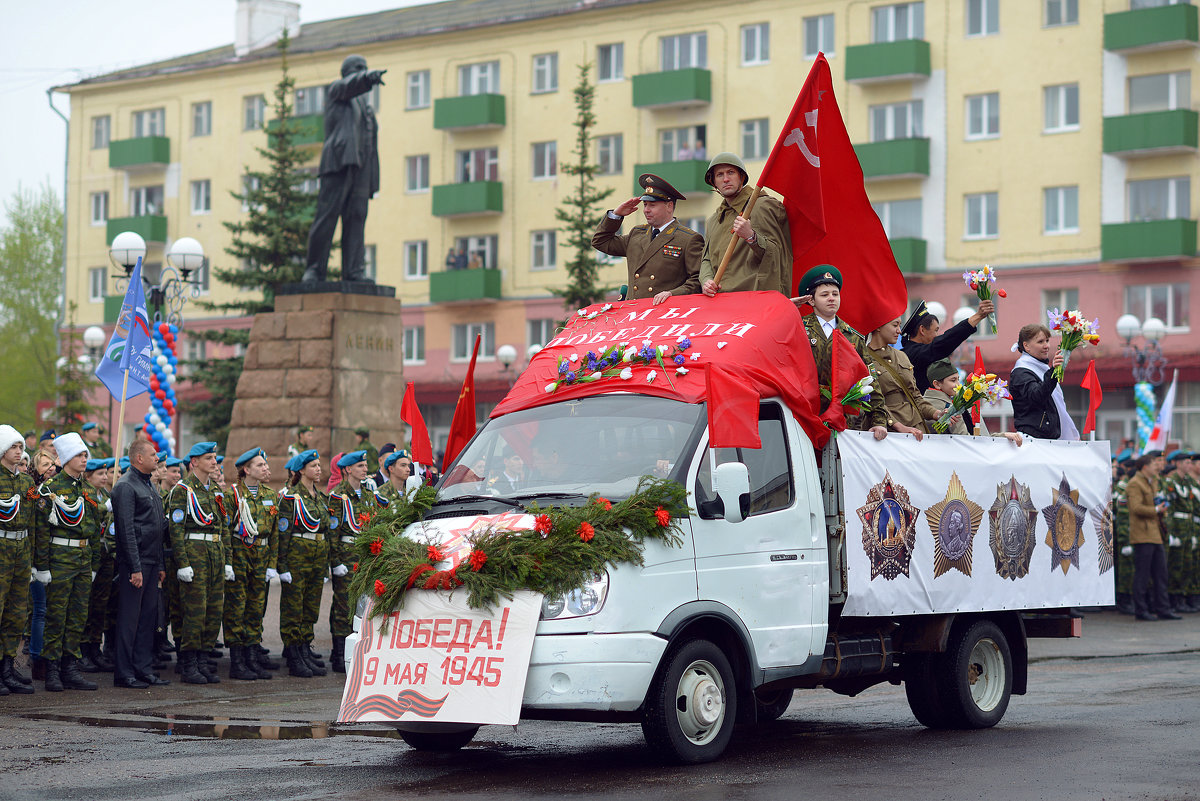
(349,171)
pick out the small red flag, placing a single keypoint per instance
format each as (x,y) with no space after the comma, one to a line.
(846,369)
(422,450)
(978,369)
(814,166)
(462,427)
(1091,382)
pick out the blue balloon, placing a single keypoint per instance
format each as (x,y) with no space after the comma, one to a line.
(173,359)
(147,417)
(174,329)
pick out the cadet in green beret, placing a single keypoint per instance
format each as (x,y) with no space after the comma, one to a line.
(363,436)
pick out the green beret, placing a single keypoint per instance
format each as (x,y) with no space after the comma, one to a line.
(939,370)
(821,274)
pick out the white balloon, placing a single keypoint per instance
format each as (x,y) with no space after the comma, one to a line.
(155,419)
(172,378)
(168,369)
(161,360)
(161,426)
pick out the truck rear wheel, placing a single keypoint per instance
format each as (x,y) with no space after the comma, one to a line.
(977,676)
(438,740)
(691,707)
(923,688)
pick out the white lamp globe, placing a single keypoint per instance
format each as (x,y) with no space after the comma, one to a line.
(186,254)
(1154,329)
(93,336)
(506,354)
(962,313)
(937,310)
(127,247)
(1128,326)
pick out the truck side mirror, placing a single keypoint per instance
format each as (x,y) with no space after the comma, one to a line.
(732,482)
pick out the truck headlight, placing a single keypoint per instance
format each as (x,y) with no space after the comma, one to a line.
(580,602)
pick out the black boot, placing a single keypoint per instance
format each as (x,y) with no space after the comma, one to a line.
(102,659)
(238,669)
(11,672)
(53,676)
(296,664)
(337,659)
(312,655)
(72,679)
(263,657)
(1125,603)
(84,662)
(4,690)
(317,668)
(9,681)
(206,669)
(187,669)
(250,657)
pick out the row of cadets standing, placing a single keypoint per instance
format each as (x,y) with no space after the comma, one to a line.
(17,503)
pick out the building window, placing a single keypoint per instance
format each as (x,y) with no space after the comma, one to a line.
(541,331)
(417,173)
(983,17)
(1163,92)
(310,183)
(96,283)
(1062,108)
(370,264)
(254,112)
(1167,302)
(480,250)
(818,35)
(610,155)
(697,224)
(479,79)
(418,91)
(756,44)
(683,51)
(681,144)
(1160,199)
(414,345)
(99,205)
(755,144)
(982,213)
(1061,210)
(1062,12)
(901,218)
(201,197)
(309,100)
(464,341)
(101,131)
(984,330)
(545,73)
(897,22)
(476,165)
(196,349)
(202,118)
(983,116)
(1061,299)
(149,122)
(545,159)
(416,259)
(610,62)
(897,121)
(145,201)
(541,250)
(373,98)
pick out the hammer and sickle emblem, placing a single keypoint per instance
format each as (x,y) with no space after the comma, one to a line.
(796,137)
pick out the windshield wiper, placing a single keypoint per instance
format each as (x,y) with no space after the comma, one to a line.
(471,498)
(529,496)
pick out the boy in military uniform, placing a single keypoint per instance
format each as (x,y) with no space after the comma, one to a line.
(101,615)
(364,444)
(17,494)
(200,541)
(93,438)
(663,257)
(67,525)
(351,507)
(303,561)
(398,467)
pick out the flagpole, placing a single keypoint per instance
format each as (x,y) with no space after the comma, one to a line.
(120,420)
(735,239)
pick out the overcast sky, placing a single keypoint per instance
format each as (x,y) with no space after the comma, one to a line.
(66,40)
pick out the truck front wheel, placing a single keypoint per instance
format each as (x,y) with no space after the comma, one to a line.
(691,707)
(977,676)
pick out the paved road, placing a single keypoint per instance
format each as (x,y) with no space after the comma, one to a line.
(1115,715)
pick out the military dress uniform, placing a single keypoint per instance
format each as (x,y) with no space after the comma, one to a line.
(874,413)
(102,600)
(350,510)
(17,502)
(255,550)
(1178,488)
(200,540)
(303,562)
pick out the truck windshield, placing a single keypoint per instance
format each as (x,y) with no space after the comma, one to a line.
(600,444)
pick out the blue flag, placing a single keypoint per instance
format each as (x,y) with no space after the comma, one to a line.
(129,349)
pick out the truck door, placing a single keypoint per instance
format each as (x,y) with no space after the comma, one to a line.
(770,567)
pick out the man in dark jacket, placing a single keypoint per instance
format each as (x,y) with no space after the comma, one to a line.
(924,345)
(141,527)
(349,171)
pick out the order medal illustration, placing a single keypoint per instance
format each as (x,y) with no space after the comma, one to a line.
(1012,519)
(953,521)
(1064,517)
(889,528)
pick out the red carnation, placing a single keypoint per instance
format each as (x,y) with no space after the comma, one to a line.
(543,524)
(605,502)
(355,568)
(1002,293)
(380,588)
(434,554)
(585,531)
(376,547)
(477,559)
(663,516)
(363,518)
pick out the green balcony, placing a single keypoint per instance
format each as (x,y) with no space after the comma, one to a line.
(310,129)
(112,307)
(1154,133)
(909,253)
(887,61)
(672,88)
(894,159)
(469,111)
(457,286)
(1161,28)
(473,197)
(1155,239)
(686,176)
(151,227)
(145,152)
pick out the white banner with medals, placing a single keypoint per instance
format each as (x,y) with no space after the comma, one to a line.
(962,524)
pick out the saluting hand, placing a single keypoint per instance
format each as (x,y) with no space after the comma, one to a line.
(627,208)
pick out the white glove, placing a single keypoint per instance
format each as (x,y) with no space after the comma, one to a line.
(272,573)
(340,571)
(1127,550)
(325,579)
(93,576)
(108,504)
(41,576)
(185,574)
(1174,542)
(286,578)
(229,573)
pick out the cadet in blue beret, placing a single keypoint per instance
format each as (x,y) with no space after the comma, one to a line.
(398,467)
(303,561)
(351,507)
(253,512)
(102,611)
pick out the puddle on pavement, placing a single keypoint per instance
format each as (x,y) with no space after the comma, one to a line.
(220,728)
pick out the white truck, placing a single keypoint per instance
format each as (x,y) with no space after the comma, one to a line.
(924,563)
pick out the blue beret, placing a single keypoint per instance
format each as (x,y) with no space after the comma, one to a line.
(1178,454)
(88,426)
(124,462)
(94,464)
(353,457)
(220,460)
(395,457)
(297,462)
(109,462)
(248,455)
(1125,455)
(47,434)
(174,461)
(201,448)
(161,455)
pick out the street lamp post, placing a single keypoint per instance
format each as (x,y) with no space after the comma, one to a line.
(94,339)
(1149,366)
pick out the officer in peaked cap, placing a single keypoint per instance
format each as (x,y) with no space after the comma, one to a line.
(663,256)
(924,342)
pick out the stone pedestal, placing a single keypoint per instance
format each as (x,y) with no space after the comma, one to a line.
(330,358)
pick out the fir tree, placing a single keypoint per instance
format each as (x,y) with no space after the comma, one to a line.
(75,379)
(579,212)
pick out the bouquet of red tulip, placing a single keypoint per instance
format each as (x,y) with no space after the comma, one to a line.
(981,281)
(1076,331)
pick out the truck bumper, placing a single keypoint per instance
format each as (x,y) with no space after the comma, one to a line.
(596,672)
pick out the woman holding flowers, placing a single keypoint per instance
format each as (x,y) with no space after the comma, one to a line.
(1037,399)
